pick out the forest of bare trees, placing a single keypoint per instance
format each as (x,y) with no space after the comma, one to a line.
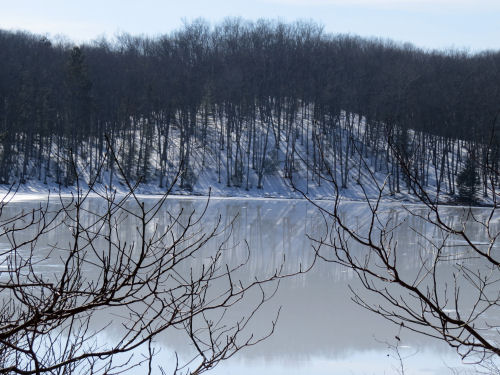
(245,97)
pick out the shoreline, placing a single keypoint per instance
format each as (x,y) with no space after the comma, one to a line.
(22,195)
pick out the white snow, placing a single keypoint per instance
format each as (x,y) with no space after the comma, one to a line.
(363,182)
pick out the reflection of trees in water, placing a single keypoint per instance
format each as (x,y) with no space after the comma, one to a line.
(318,317)
(117,267)
(271,229)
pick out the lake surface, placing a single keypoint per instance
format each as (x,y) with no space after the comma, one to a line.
(320,330)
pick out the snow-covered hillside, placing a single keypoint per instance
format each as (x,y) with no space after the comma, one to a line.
(300,158)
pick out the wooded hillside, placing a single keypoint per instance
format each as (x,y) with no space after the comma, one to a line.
(245,98)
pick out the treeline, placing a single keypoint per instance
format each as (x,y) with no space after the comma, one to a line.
(241,96)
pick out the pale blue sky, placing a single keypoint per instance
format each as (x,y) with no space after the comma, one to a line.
(459,24)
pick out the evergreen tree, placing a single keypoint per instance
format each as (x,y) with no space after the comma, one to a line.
(468,182)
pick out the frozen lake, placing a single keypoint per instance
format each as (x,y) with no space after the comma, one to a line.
(320,330)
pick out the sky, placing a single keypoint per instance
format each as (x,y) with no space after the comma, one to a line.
(472,25)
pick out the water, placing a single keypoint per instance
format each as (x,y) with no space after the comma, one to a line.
(320,330)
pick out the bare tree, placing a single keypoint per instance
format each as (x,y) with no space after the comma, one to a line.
(451,293)
(140,285)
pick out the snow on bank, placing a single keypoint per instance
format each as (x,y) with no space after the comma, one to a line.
(277,190)
(275,187)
